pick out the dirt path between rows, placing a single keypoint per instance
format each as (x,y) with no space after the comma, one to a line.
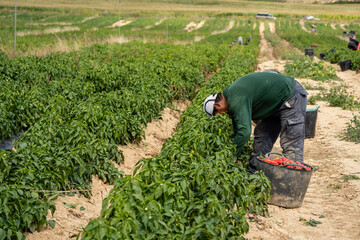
(230,26)
(329,199)
(266,52)
(266,58)
(192,26)
(302,23)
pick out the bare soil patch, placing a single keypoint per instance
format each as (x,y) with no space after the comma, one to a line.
(87,19)
(120,23)
(56,23)
(192,26)
(266,49)
(303,26)
(230,26)
(46,31)
(157,23)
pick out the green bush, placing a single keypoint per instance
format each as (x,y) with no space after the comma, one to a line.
(353,130)
(339,97)
(306,68)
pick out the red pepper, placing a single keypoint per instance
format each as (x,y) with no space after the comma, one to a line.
(283,161)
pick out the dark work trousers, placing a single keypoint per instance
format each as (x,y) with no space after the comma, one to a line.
(289,123)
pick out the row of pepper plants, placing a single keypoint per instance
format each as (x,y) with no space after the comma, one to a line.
(35,28)
(325,38)
(175,29)
(192,189)
(39,27)
(342,53)
(74,109)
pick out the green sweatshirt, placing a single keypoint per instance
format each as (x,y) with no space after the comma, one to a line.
(253,97)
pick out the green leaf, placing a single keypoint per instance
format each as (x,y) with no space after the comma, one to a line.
(53,197)
(70,205)
(51,223)
(9,233)
(34,194)
(32,227)
(82,208)
(2,234)
(19,235)
(158,192)
(103,233)
(23,145)
(312,222)
(139,197)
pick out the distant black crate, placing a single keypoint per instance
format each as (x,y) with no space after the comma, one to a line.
(310,52)
(345,65)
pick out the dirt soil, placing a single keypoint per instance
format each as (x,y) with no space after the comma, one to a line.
(230,26)
(329,199)
(192,26)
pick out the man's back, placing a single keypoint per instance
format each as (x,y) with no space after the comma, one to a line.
(261,93)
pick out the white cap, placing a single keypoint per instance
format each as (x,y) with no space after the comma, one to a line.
(209,104)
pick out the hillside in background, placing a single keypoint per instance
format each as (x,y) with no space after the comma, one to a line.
(198,7)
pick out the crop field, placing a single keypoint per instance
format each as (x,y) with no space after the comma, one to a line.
(87,90)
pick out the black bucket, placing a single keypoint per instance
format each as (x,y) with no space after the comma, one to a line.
(323,55)
(345,65)
(310,52)
(310,122)
(288,186)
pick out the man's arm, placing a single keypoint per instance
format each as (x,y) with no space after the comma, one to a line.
(242,129)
